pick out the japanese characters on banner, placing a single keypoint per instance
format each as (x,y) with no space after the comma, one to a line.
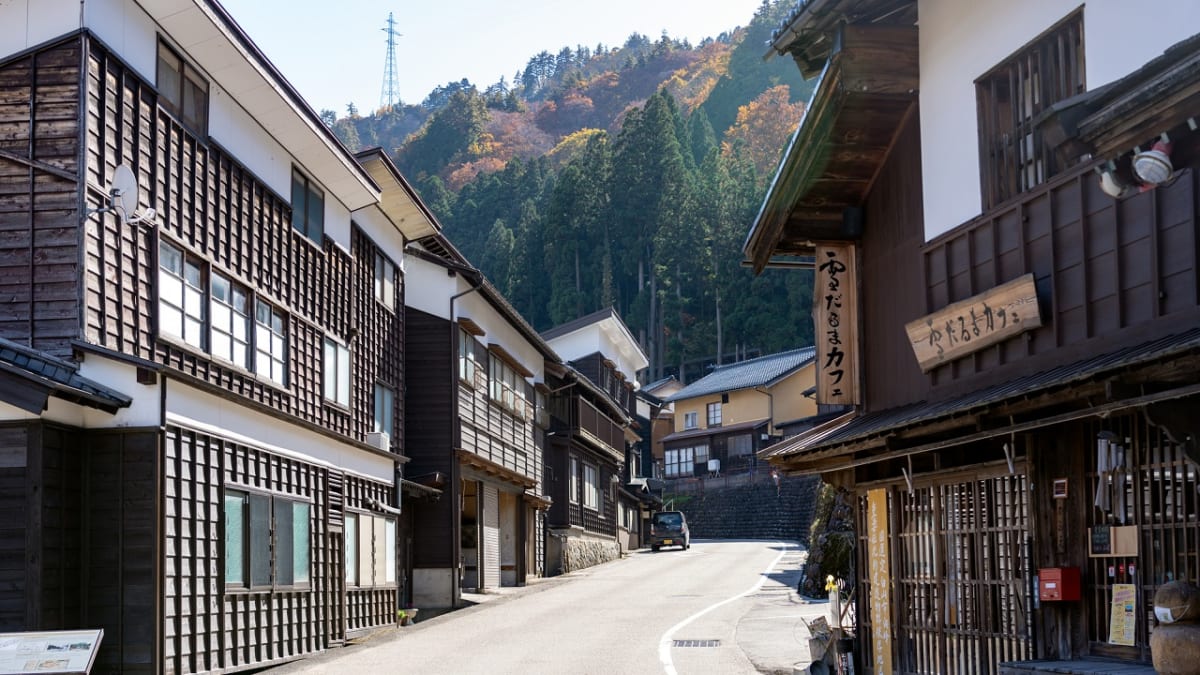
(881,582)
(835,320)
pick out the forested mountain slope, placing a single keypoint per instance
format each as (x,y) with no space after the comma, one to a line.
(624,176)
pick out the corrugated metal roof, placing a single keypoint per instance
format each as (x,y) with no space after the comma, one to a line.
(917,413)
(746,374)
(61,377)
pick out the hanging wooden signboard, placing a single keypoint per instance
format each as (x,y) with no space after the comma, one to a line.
(967,326)
(835,319)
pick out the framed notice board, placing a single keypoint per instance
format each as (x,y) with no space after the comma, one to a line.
(60,651)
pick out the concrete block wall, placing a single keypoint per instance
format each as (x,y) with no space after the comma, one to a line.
(758,510)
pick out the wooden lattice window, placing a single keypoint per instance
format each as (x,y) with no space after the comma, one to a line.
(1010,97)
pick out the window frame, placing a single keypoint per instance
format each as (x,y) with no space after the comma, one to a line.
(1013,159)
(385,281)
(713,412)
(733,445)
(388,412)
(175,102)
(507,387)
(275,538)
(183,305)
(207,274)
(308,217)
(573,487)
(271,334)
(216,305)
(382,555)
(592,497)
(691,420)
(468,366)
(343,390)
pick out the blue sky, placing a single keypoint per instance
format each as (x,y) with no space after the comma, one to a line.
(334,52)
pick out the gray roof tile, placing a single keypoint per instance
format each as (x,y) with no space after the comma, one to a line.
(746,374)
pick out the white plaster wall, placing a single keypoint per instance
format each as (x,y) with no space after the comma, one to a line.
(125,28)
(499,331)
(960,41)
(381,230)
(146,409)
(21,28)
(202,411)
(428,288)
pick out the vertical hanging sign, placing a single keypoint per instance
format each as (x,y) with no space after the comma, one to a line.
(835,322)
(881,582)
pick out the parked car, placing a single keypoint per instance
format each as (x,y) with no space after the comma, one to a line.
(669,528)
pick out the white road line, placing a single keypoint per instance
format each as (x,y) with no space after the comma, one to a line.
(664,643)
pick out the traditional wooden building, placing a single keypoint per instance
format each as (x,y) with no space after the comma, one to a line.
(475,405)
(202,346)
(724,418)
(999,205)
(591,407)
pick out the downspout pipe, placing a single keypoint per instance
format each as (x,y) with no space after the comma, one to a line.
(455,439)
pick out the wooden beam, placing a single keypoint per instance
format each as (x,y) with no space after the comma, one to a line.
(39,165)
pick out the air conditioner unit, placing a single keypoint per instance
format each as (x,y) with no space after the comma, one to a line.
(379,439)
(714,465)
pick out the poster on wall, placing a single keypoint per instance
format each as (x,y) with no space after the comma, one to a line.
(881,582)
(1122,626)
(835,322)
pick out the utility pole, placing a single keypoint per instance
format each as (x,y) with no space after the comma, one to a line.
(390,93)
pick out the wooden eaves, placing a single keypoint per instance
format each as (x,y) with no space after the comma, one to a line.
(868,87)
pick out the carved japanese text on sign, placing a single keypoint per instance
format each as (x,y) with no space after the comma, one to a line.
(835,316)
(880,578)
(969,325)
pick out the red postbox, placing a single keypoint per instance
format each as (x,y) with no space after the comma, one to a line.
(1058,584)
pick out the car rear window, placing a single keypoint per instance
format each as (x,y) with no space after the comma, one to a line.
(668,519)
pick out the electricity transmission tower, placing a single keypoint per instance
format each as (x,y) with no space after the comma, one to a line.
(389,95)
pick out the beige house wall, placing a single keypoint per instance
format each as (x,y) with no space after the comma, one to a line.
(785,401)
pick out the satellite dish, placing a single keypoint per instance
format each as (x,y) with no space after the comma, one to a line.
(124,189)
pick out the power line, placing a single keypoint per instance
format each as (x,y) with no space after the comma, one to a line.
(389,95)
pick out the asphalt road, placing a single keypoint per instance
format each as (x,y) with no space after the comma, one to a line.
(627,616)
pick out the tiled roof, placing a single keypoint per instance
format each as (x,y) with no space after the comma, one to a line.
(59,376)
(746,374)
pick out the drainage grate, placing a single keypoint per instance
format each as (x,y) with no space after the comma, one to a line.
(696,643)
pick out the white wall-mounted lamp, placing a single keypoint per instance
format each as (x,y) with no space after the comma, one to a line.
(1153,166)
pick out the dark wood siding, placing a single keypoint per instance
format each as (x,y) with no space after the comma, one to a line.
(891,275)
(431,359)
(61,534)
(14,471)
(205,626)
(1110,272)
(120,518)
(490,431)
(216,209)
(39,196)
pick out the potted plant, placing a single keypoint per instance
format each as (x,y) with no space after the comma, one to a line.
(406,616)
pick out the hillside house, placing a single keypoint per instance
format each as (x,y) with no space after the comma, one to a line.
(1007,293)
(202,353)
(476,412)
(592,405)
(725,417)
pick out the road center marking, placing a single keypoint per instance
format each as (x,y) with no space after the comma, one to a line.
(664,643)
